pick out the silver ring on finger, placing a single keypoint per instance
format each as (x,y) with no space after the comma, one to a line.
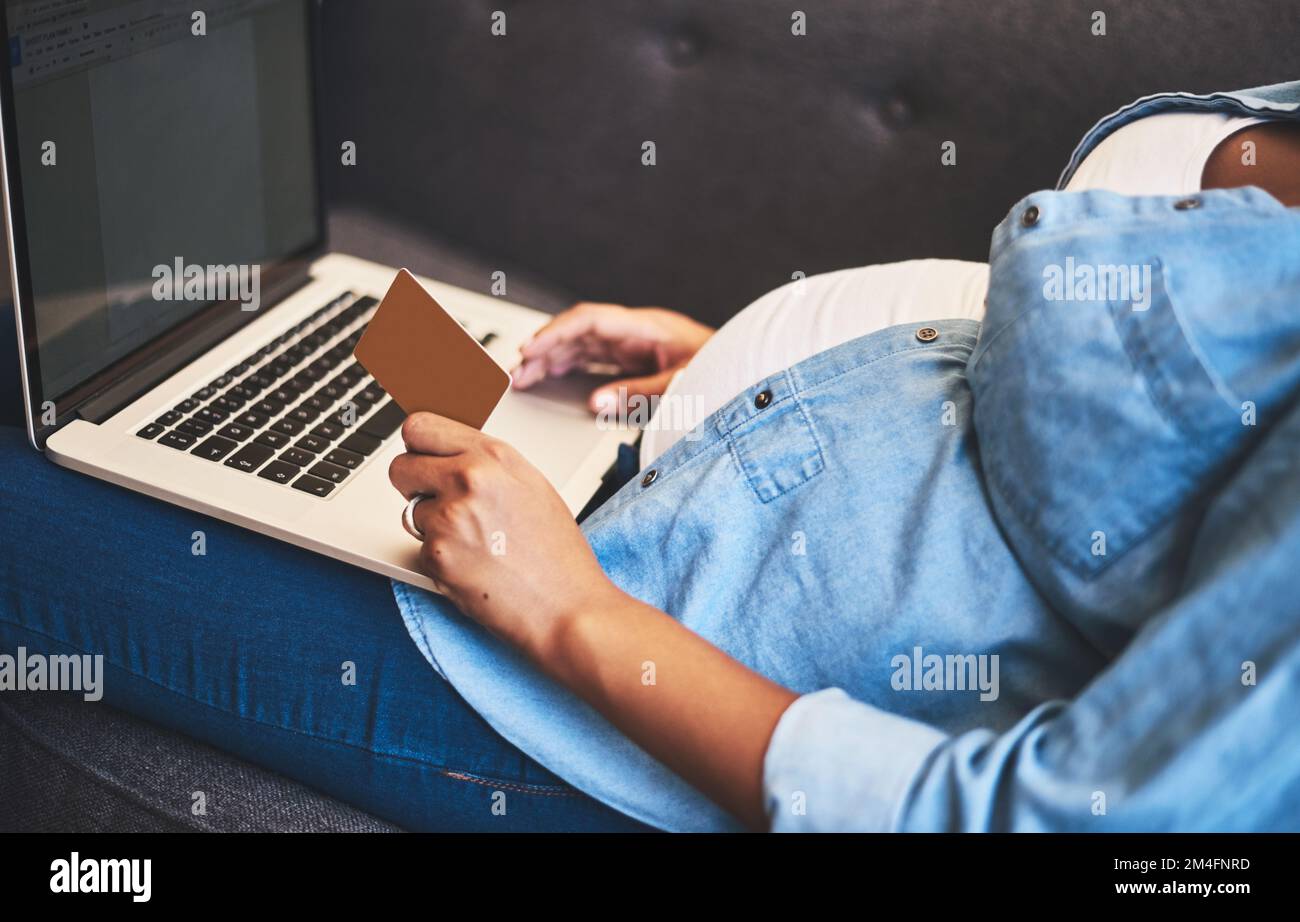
(408,516)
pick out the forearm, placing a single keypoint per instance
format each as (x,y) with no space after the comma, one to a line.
(700,712)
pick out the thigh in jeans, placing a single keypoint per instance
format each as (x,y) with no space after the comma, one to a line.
(286,658)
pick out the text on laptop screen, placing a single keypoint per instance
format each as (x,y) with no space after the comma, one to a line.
(165,157)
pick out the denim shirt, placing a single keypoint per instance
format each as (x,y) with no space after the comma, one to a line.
(1034,574)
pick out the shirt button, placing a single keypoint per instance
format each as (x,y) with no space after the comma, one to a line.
(763,399)
(649,477)
(1030,216)
(1187,204)
(927,334)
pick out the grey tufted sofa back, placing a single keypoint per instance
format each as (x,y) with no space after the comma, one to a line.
(775,153)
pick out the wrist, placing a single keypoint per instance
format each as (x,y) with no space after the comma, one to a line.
(569,640)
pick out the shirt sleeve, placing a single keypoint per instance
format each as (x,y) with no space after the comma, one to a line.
(836,764)
(1192,728)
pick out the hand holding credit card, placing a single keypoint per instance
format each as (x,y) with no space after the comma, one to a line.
(426,360)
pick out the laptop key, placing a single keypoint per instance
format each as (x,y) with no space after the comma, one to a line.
(268,407)
(361,443)
(212,415)
(386,420)
(331,472)
(288,426)
(343,458)
(328,431)
(272,439)
(297,457)
(279,472)
(215,448)
(251,419)
(195,427)
(168,419)
(203,393)
(250,389)
(312,443)
(250,457)
(237,432)
(177,440)
(313,485)
(186,405)
(152,431)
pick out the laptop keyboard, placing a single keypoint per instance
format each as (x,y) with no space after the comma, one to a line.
(300,411)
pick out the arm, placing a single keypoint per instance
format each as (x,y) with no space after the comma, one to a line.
(707,717)
(1274,167)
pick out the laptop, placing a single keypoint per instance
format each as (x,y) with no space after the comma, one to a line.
(183,330)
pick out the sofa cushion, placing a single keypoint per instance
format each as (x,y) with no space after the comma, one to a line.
(69,766)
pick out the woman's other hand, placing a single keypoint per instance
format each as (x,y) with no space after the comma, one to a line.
(649,343)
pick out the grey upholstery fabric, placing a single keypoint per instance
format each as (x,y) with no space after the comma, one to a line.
(67,766)
(775,154)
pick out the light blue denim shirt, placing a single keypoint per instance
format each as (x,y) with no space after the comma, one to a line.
(1037,574)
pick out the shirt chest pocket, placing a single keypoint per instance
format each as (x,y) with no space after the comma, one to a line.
(772,440)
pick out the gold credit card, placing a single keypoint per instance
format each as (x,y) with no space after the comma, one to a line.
(426,360)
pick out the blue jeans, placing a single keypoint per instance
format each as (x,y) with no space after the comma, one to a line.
(246,647)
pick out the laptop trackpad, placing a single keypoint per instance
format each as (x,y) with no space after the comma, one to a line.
(556,435)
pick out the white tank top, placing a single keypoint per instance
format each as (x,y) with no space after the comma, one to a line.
(1157,155)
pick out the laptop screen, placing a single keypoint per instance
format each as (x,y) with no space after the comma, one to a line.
(166,156)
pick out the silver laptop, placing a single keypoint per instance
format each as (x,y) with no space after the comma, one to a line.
(182,330)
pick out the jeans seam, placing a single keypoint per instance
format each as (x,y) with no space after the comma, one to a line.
(544,790)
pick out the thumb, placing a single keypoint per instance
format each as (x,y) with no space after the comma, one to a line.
(615,394)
